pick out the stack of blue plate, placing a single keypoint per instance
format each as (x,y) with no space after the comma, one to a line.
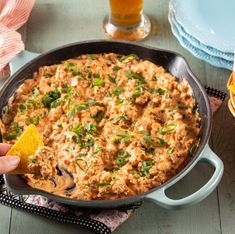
(205,28)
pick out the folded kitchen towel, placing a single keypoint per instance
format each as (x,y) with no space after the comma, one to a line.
(13,14)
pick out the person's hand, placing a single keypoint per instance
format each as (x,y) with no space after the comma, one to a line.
(7,164)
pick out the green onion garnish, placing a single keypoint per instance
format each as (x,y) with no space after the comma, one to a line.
(167,129)
(102,184)
(117,91)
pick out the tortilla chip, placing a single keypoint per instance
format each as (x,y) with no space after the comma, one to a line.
(231,79)
(232,110)
(232,88)
(232,98)
(26,145)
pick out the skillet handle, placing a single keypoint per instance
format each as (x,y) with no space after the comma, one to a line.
(159,196)
(21,59)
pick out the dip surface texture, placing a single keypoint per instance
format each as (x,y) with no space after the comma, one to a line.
(113,126)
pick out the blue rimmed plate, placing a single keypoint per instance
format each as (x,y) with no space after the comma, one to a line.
(208,49)
(197,52)
(210,22)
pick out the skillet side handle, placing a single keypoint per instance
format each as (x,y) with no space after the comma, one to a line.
(159,197)
(21,59)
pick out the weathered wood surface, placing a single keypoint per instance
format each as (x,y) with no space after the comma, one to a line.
(57,22)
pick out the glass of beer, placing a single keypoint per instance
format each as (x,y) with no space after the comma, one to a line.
(126,21)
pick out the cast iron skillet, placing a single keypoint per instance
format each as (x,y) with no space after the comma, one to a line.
(172,62)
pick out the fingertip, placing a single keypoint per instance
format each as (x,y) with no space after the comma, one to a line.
(4,148)
(14,160)
(8,163)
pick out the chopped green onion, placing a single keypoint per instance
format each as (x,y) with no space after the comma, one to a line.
(98,82)
(116,68)
(112,79)
(122,158)
(5,110)
(171,151)
(32,160)
(139,90)
(139,79)
(97,149)
(69,89)
(56,103)
(117,91)
(47,75)
(192,149)
(167,129)
(73,111)
(89,141)
(98,116)
(108,94)
(128,74)
(159,90)
(128,58)
(78,129)
(75,72)
(84,106)
(120,118)
(76,108)
(81,132)
(161,143)
(119,101)
(34,121)
(72,67)
(155,78)
(36,91)
(77,140)
(50,97)
(33,103)
(91,57)
(135,95)
(22,108)
(145,167)
(149,150)
(148,140)
(91,128)
(122,137)
(70,64)
(93,103)
(13,131)
(102,184)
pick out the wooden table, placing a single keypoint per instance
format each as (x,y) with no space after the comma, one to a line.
(57,22)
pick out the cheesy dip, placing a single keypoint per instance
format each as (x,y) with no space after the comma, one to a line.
(113,126)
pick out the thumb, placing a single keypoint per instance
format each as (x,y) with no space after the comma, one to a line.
(8,163)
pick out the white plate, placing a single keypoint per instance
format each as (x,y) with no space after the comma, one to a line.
(209,21)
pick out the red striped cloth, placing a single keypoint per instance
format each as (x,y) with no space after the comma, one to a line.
(13,14)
